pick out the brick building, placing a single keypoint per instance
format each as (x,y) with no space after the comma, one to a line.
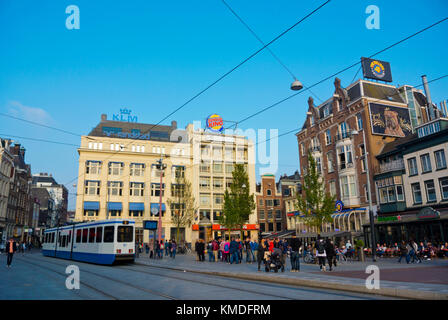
(270,209)
(333,134)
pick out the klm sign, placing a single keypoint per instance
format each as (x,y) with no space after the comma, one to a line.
(125,116)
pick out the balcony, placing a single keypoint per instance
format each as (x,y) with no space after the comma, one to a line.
(344,165)
(394,165)
(314,149)
(343,135)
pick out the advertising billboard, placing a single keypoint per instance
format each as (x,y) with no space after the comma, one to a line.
(376,69)
(390,120)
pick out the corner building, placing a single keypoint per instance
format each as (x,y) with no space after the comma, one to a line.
(118,176)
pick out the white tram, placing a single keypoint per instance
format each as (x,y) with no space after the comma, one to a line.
(101,242)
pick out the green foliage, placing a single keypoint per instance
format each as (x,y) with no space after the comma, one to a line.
(359,243)
(182,204)
(238,203)
(315,203)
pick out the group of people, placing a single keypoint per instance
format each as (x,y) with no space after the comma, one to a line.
(12,247)
(234,251)
(157,249)
(411,250)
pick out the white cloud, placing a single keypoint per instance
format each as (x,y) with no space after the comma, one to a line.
(29,113)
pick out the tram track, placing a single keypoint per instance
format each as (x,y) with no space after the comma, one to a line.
(100,276)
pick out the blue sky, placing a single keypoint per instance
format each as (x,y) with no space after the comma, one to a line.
(152,56)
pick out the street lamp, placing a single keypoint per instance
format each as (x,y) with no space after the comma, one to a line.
(371,218)
(296,85)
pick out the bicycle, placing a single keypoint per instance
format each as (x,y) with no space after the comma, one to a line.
(341,257)
(309,257)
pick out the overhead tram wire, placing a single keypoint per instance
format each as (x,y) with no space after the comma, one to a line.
(39,124)
(262,42)
(39,140)
(377,100)
(223,76)
(341,71)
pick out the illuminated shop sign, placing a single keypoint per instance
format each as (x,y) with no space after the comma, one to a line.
(124,115)
(376,69)
(214,123)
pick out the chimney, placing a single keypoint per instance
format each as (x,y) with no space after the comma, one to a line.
(103,117)
(430,108)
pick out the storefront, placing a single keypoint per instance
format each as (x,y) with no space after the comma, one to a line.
(427,224)
(215,231)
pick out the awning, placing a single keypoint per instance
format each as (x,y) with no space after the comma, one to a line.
(136,206)
(91,205)
(114,206)
(155,206)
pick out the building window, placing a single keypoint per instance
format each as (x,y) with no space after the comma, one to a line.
(229,183)
(332,188)
(204,199)
(177,190)
(345,156)
(135,213)
(178,171)
(318,165)
(328,137)
(229,153)
(136,188)
(330,164)
(430,191)
(412,167)
(205,151)
(90,213)
(400,194)
(155,189)
(217,152)
(269,214)
(137,169)
(204,183)
(426,163)
(229,168)
(359,121)
(270,227)
(262,227)
(261,214)
(391,194)
(92,187)
(276,202)
(363,158)
(115,213)
(269,203)
(240,153)
(268,192)
(217,167)
(218,183)
(204,167)
(348,186)
(218,199)
(444,188)
(440,159)
(116,168)
(278,226)
(260,202)
(93,167)
(383,195)
(278,214)
(115,188)
(416,192)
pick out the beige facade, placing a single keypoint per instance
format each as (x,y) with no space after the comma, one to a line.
(118,177)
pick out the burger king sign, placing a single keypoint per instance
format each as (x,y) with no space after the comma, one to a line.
(215,123)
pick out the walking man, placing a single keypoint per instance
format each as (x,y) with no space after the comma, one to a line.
(234,250)
(321,255)
(11,247)
(260,252)
(295,253)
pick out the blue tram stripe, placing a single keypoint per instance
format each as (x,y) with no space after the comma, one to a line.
(82,256)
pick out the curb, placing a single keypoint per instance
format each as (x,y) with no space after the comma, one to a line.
(391,292)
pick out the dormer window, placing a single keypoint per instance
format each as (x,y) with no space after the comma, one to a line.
(312,120)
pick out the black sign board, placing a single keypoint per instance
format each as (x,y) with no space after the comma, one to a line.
(376,69)
(428,213)
(150,225)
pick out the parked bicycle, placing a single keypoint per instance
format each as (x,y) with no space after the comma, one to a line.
(308,257)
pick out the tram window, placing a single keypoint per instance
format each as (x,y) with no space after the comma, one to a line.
(52,237)
(78,236)
(46,238)
(59,239)
(84,235)
(125,234)
(64,239)
(69,239)
(108,234)
(99,234)
(91,235)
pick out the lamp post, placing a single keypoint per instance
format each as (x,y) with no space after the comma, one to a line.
(371,218)
(161,167)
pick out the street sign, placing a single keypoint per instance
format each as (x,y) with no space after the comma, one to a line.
(150,225)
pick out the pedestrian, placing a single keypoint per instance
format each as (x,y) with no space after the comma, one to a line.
(248,251)
(226,251)
(331,253)
(201,248)
(11,247)
(284,250)
(240,250)
(166,247)
(320,252)
(260,252)
(210,252)
(414,252)
(173,248)
(196,249)
(295,253)
(215,249)
(253,249)
(403,252)
(234,251)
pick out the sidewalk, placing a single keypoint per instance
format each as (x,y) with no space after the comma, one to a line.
(428,280)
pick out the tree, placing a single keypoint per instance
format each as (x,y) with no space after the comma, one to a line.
(315,203)
(182,203)
(238,203)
